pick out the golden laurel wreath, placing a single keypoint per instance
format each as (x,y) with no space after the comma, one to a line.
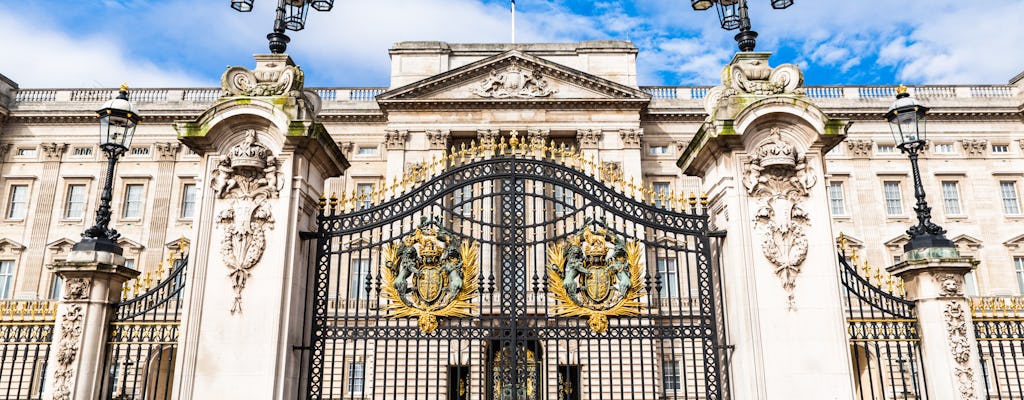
(597,312)
(426,313)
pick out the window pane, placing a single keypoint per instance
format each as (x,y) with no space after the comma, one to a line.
(970,284)
(1009,193)
(6,278)
(133,201)
(461,199)
(670,375)
(669,274)
(355,377)
(17,206)
(1018,265)
(660,192)
(55,287)
(357,285)
(951,197)
(75,207)
(364,191)
(835,196)
(565,202)
(188,201)
(893,201)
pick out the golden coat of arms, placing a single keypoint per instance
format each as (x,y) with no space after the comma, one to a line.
(430,274)
(596,274)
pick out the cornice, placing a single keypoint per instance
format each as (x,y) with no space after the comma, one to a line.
(473,104)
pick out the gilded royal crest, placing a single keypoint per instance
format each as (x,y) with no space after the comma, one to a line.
(430,274)
(595,274)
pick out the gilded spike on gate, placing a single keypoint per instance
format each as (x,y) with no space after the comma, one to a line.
(333,203)
(704,202)
(323,201)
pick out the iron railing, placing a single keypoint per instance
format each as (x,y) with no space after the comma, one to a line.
(26,331)
(999,327)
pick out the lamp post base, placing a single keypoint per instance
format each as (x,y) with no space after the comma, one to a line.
(98,244)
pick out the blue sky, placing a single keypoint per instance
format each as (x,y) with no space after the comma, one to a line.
(172,43)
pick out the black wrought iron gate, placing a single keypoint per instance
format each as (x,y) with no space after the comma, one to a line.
(513,272)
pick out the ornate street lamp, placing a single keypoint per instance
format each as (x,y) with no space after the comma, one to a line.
(290,15)
(907,119)
(733,14)
(118,119)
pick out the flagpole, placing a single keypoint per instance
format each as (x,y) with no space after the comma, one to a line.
(513,21)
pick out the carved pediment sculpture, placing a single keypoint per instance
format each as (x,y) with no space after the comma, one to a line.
(778,176)
(514,82)
(975,147)
(268,79)
(249,176)
(750,74)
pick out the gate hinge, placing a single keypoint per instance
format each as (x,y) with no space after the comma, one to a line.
(717,234)
(306,235)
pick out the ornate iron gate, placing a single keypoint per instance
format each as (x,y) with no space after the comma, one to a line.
(144,334)
(513,271)
(882,328)
(26,330)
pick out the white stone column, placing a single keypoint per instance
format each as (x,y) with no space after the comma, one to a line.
(92,284)
(949,349)
(631,154)
(394,144)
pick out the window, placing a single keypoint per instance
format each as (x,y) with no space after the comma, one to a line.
(564,201)
(893,199)
(6,278)
(132,201)
(55,287)
(886,148)
(1000,148)
(356,377)
(951,197)
(670,375)
(897,259)
(1008,189)
(944,148)
(364,196)
(188,201)
(662,198)
(658,150)
(74,206)
(835,198)
(17,203)
(26,152)
(1018,266)
(82,151)
(970,284)
(139,151)
(357,287)
(461,198)
(368,151)
(129,263)
(669,274)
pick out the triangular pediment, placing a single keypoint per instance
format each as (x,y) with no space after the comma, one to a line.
(129,244)
(1015,243)
(510,79)
(8,246)
(897,242)
(60,246)
(967,243)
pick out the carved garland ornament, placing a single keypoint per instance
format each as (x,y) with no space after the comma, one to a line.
(430,274)
(959,345)
(249,176)
(269,80)
(596,274)
(67,352)
(514,82)
(779,178)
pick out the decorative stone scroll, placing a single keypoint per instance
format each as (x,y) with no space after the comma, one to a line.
(514,82)
(248,175)
(268,79)
(395,139)
(67,351)
(860,147)
(975,147)
(631,138)
(778,176)
(960,348)
(750,74)
(588,138)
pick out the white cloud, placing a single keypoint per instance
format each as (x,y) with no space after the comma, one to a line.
(50,58)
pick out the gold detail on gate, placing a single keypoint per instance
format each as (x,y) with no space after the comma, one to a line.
(429,274)
(596,274)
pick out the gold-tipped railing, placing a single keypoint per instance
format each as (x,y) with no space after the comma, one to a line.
(608,174)
(1001,308)
(876,276)
(16,311)
(149,279)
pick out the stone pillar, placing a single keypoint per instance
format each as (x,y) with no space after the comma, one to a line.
(631,154)
(92,284)
(761,157)
(266,161)
(949,349)
(394,145)
(161,214)
(45,200)
(590,142)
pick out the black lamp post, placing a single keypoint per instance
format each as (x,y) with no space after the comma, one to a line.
(907,119)
(290,15)
(118,119)
(733,14)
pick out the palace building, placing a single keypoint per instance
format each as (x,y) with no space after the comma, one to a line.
(460,203)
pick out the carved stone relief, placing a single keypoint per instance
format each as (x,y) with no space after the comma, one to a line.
(167,151)
(751,75)
(77,288)
(681,146)
(487,137)
(4,148)
(53,151)
(611,170)
(249,176)
(975,147)
(438,138)
(588,138)
(778,176)
(960,348)
(949,285)
(269,79)
(631,138)
(67,351)
(860,147)
(538,137)
(514,82)
(395,139)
